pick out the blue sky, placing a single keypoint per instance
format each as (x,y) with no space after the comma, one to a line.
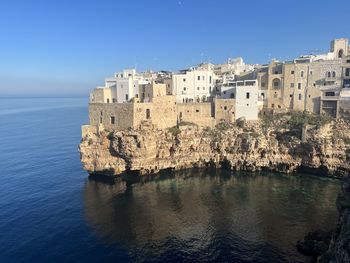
(68,47)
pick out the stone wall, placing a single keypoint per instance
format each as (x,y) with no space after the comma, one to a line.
(225,110)
(102,113)
(344,109)
(199,113)
(161,112)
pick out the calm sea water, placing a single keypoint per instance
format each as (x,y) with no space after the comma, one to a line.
(50,210)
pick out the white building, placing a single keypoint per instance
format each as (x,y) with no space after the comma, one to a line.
(233,66)
(125,85)
(246,95)
(191,85)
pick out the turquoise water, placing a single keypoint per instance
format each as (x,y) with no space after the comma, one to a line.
(50,210)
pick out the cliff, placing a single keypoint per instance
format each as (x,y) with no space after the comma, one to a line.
(282,143)
(332,246)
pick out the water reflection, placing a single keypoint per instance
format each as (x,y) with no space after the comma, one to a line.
(210,215)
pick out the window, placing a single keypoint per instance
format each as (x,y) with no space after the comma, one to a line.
(224,92)
(247,105)
(299,85)
(330,93)
(210,79)
(347,72)
(148,113)
(299,96)
(100,119)
(276,84)
(184,88)
(107,100)
(203,77)
(340,53)
(197,110)
(292,85)
(199,77)
(203,88)
(310,72)
(292,72)
(328,74)
(333,74)
(272,105)
(276,72)
(225,107)
(263,84)
(232,95)
(302,74)
(113,100)
(184,80)
(291,96)
(197,88)
(126,97)
(247,95)
(112,120)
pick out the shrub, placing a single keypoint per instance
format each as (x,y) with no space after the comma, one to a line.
(223,126)
(174,130)
(187,123)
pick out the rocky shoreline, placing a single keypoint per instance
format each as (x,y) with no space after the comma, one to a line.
(288,143)
(331,246)
(278,145)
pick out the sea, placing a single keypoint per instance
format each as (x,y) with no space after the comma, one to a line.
(51,210)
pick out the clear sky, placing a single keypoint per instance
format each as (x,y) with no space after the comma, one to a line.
(68,47)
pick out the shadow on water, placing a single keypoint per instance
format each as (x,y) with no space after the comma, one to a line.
(206,215)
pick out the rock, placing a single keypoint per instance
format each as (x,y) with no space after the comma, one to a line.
(240,147)
(315,243)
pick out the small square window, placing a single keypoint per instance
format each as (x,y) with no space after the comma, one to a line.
(292,72)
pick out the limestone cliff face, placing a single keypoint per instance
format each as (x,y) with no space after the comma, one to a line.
(276,146)
(339,247)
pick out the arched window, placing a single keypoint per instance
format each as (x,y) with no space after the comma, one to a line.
(340,53)
(276,83)
(328,74)
(333,74)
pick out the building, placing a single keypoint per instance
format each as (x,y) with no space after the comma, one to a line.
(247,99)
(208,94)
(194,85)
